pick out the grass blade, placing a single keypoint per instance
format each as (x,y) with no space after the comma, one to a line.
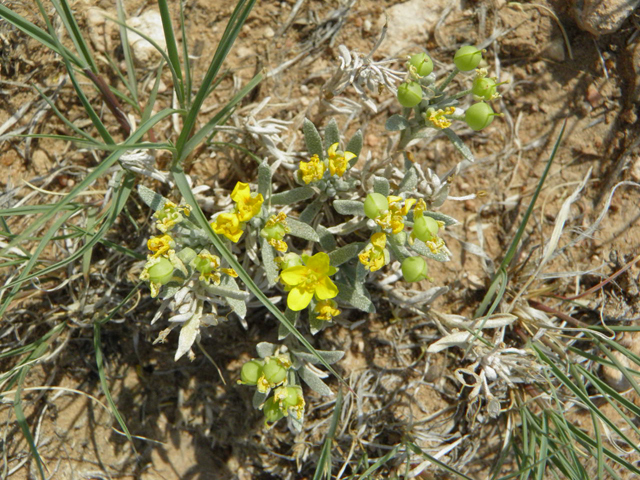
(323,470)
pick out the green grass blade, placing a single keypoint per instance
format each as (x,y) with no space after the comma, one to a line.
(132,84)
(120,197)
(511,252)
(238,17)
(97,342)
(93,176)
(211,124)
(69,21)
(185,58)
(323,470)
(37,33)
(172,51)
(200,219)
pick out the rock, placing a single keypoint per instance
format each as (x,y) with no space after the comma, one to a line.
(100,30)
(408,24)
(601,17)
(149,23)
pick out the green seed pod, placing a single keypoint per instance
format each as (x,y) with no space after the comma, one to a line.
(479,116)
(276,232)
(375,205)
(161,272)
(425,228)
(292,397)
(467,58)
(274,372)
(289,260)
(271,410)
(409,94)
(423,64)
(484,87)
(251,372)
(414,269)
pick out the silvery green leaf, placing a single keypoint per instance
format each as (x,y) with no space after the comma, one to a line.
(310,211)
(168,291)
(268,262)
(259,399)
(395,123)
(421,248)
(238,306)
(154,200)
(295,423)
(355,146)
(345,184)
(409,182)
(316,325)
(448,221)
(292,196)
(227,292)
(349,207)
(356,299)
(312,139)
(330,356)
(331,133)
(264,179)
(344,254)
(399,251)
(459,144)
(302,230)
(283,332)
(314,382)
(327,240)
(188,334)
(265,349)
(381,185)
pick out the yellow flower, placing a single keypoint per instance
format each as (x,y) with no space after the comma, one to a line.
(307,280)
(326,310)
(247,205)
(339,161)
(312,171)
(373,257)
(169,215)
(228,224)
(229,271)
(279,245)
(394,218)
(160,245)
(419,209)
(437,117)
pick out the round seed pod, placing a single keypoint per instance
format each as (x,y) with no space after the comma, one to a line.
(274,372)
(251,372)
(425,228)
(161,272)
(409,94)
(375,205)
(479,116)
(467,58)
(271,410)
(423,64)
(484,87)
(414,269)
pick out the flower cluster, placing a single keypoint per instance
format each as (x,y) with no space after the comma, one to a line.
(308,280)
(270,374)
(336,163)
(231,225)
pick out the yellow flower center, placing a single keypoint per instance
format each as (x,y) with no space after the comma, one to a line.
(438,119)
(312,171)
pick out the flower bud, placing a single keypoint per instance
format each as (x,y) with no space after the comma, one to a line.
(414,269)
(467,58)
(251,372)
(289,260)
(274,372)
(271,410)
(422,63)
(425,228)
(479,116)
(409,94)
(375,205)
(161,272)
(484,87)
(275,232)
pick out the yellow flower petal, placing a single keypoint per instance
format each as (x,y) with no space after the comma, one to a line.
(294,275)
(299,298)
(326,289)
(319,263)
(241,192)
